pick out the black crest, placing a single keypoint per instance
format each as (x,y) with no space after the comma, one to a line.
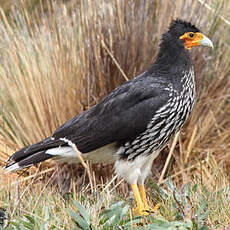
(178,27)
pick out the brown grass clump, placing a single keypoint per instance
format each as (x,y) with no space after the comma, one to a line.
(57,62)
(58,59)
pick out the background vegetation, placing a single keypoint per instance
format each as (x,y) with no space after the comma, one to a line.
(59,58)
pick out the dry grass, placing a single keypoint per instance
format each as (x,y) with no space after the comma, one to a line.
(57,60)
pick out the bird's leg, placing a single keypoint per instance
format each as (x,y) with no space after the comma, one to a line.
(143,196)
(140,210)
(145,201)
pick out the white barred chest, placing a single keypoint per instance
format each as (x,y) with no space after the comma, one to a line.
(166,121)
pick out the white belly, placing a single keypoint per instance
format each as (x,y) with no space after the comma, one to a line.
(105,154)
(137,170)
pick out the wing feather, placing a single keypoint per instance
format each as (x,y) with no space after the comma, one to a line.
(120,116)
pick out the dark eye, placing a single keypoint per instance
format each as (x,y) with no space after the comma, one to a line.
(191,35)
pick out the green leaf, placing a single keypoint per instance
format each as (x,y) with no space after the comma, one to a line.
(114,215)
(18,226)
(169,184)
(131,223)
(124,211)
(194,188)
(79,220)
(27,224)
(204,228)
(15,224)
(82,211)
(30,218)
(201,208)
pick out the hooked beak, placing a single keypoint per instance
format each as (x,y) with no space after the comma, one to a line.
(206,42)
(198,39)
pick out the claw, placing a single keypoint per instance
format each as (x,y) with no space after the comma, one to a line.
(142,208)
(140,212)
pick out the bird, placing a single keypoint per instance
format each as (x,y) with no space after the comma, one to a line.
(131,125)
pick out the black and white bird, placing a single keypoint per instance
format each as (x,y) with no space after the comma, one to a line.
(135,121)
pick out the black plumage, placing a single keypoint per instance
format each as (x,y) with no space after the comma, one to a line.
(136,119)
(126,112)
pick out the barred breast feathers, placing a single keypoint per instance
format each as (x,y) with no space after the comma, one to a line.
(166,121)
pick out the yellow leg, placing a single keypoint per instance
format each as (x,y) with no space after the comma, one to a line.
(140,210)
(145,201)
(143,196)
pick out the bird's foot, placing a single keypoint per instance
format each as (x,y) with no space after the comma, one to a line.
(140,212)
(153,209)
(146,210)
(156,207)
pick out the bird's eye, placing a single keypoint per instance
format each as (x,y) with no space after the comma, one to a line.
(191,35)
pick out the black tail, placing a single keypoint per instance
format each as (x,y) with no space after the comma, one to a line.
(32,154)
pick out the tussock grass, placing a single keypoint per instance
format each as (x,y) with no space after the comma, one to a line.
(57,60)
(191,206)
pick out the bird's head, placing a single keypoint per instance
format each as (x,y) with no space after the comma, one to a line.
(188,34)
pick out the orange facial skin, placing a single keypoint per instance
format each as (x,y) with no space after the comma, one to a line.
(192,39)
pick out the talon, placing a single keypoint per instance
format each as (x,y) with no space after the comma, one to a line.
(157,206)
(142,208)
(140,212)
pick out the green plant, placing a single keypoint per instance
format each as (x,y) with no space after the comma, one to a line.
(58,59)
